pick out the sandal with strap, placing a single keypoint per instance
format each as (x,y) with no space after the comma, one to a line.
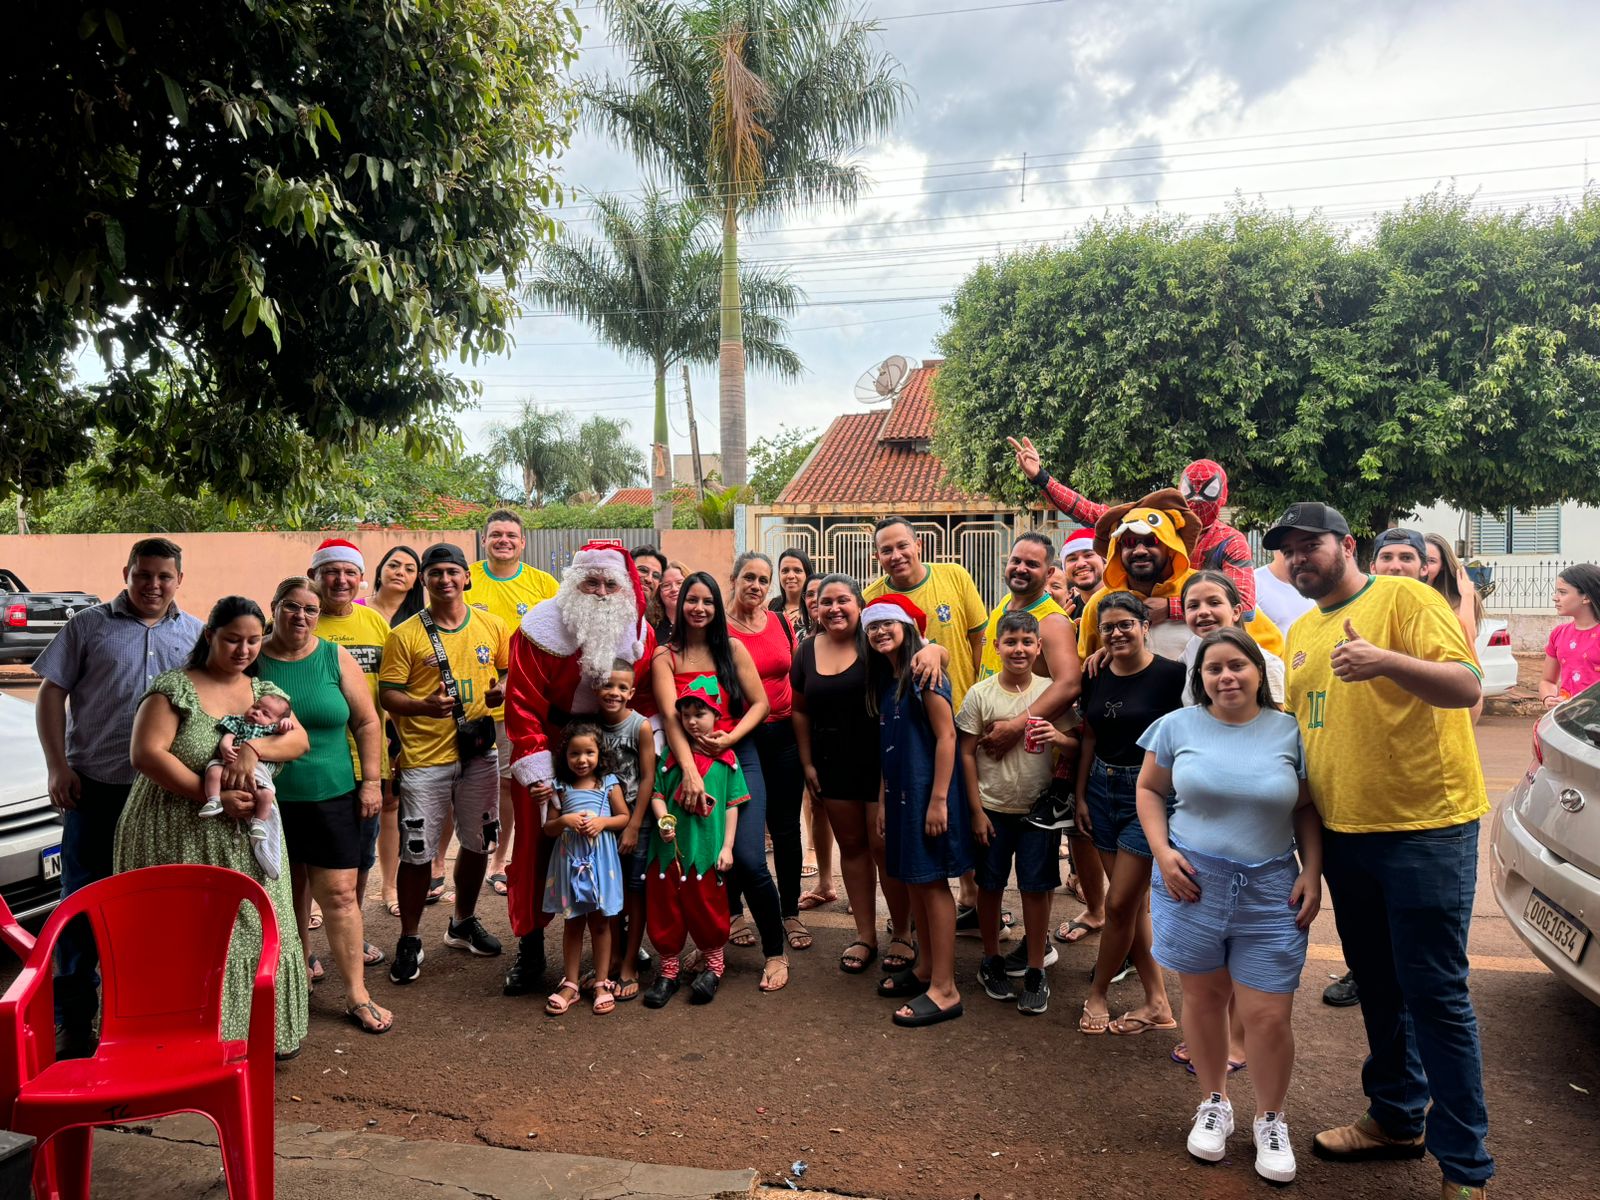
(742,934)
(358,1014)
(557,1003)
(767,969)
(894,961)
(604,999)
(799,936)
(1094,1024)
(852,964)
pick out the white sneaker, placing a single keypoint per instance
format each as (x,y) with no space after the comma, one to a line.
(1213,1122)
(211,808)
(1274,1155)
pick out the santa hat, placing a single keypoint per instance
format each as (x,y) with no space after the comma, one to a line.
(895,608)
(337,550)
(707,690)
(612,557)
(1078,539)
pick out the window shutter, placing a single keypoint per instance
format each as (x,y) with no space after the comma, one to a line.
(1490,534)
(1518,531)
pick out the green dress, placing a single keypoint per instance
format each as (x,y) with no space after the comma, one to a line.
(158,828)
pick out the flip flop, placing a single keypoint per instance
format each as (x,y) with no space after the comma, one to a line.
(902,984)
(370,1009)
(767,986)
(815,900)
(926,1011)
(1093,1024)
(435,889)
(852,965)
(625,989)
(500,884)
(1128,1025)
(1234,1066)
(316,918)
(371,956)
(314,970)
(809,872)
(1070,932)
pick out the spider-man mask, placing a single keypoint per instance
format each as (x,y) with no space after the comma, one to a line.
(1204,486)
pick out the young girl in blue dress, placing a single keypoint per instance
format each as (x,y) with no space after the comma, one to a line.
(922,807)
(584,883)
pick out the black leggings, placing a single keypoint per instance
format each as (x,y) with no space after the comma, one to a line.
(784,784)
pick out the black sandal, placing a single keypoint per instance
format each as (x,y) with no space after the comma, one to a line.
(926,1011)
(851,965)
(902,985)
(900,962)
(354,1013)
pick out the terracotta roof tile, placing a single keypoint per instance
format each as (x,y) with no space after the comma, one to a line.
(911,417)
(642,496)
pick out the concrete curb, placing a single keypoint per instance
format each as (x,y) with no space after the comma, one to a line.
(178,1157)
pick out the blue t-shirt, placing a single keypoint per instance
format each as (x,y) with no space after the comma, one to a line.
(1236,785)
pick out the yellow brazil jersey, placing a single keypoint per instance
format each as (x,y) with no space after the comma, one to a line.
(479,651)
(1041,608)
(1377,758)
(509,598)
(362,631)
(954,609)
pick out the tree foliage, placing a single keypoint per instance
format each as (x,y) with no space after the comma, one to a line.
(1450,357)
(273,221)
(757,106)
(775,460)
(555,458)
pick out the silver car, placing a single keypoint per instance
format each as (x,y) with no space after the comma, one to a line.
(30,830)
(1545,845)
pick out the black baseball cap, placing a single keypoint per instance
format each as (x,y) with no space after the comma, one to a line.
(444,552)
(1309,517)
(1401,537)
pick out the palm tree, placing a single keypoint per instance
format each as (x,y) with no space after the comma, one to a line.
(756,105)
(539,445)
(649,285)
(604,457)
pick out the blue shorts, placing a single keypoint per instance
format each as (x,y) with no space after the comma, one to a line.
(636,865)
(1112,800)
(1242,921)
(1036,851)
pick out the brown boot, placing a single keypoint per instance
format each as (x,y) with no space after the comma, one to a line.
(1363,1141)
(1462,1191)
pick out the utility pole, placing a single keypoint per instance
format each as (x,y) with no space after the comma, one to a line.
(694,437)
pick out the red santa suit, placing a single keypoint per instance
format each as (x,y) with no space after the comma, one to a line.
(545,689)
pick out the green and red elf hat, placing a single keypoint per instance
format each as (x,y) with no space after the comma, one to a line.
(707,690)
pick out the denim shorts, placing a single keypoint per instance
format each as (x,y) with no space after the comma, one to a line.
(1242,921)
(636,865)
(369,841)
(1036,851)
(1112,800)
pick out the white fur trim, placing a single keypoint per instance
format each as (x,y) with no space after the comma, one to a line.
(337,551)
(544,627)
(886,612)
(604,560)
(533,768)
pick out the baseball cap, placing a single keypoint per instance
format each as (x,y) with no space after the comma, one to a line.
(1308,517)
(444,552)
(1401,537)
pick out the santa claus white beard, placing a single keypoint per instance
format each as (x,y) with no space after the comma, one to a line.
(601,625)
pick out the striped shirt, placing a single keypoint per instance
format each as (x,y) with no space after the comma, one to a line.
(105,659)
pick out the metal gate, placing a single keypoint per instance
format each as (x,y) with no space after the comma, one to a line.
(552,549)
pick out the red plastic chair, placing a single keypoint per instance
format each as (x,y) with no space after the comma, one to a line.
(19,940)
(163,934)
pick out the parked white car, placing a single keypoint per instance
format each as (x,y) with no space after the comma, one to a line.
(1495,657)
(1544,858)
(30,830)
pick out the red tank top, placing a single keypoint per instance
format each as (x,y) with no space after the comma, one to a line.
(773,656)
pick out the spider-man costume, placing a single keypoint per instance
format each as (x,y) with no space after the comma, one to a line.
(1204,486)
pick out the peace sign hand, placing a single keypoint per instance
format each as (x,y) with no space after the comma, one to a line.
(1358,660)
(1028,460)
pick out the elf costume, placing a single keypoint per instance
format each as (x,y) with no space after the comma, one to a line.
(683,889)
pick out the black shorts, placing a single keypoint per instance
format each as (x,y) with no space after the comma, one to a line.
(324,833)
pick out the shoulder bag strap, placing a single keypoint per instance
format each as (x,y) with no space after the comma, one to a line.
(445,676)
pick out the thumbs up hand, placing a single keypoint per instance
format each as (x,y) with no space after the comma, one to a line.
(1357,659)
(440,703)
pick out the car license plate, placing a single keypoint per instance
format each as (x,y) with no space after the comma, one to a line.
(1560,927)
(50,862)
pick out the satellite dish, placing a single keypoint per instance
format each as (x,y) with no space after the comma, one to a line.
(884,381)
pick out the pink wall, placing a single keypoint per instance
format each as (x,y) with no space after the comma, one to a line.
(252,564)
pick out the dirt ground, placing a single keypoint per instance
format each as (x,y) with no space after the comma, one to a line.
(993,1105)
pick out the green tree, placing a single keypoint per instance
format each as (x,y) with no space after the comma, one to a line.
(775,460)
(603,457)
(1451,358)
(758,106)
(539,446)
(650,284)
(718,509)
(273,221)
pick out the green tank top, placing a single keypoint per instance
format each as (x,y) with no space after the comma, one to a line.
(313,687)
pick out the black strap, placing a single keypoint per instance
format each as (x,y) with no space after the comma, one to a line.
(445,677)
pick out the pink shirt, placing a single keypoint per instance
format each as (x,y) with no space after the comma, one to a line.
(1578,653)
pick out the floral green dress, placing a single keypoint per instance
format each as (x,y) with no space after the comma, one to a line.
(158,828)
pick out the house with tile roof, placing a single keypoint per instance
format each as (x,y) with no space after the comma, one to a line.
(872,463)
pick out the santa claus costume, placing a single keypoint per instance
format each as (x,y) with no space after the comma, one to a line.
(562,652)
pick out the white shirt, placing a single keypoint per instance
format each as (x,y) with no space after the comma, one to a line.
(1275,672)
(1279,600)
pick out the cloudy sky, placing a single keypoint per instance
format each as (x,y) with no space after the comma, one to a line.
(1347,106)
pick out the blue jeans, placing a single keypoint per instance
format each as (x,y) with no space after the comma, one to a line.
(752,883)
(1403,902)
(87,836)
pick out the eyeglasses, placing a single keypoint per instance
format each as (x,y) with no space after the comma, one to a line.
(1119,627)
(292,610)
